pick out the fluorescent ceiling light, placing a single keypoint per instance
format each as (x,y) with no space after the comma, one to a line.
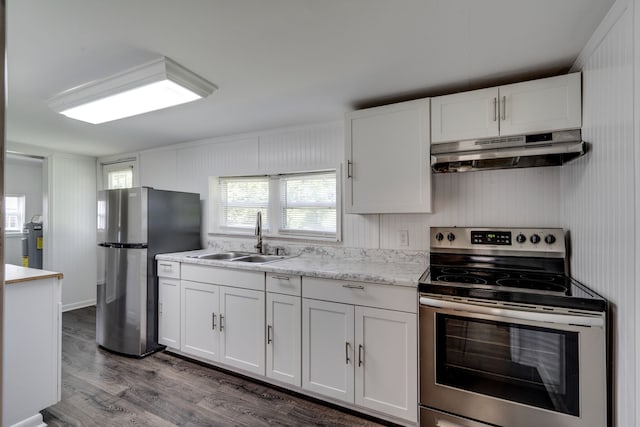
(152,86)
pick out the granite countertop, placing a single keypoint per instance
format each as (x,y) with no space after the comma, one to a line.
(360,270)
(18,274)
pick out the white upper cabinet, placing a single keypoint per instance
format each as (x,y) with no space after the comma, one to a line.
(543,105)
(465,115)
(387,153)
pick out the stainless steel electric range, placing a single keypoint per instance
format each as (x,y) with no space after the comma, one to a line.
(507,338)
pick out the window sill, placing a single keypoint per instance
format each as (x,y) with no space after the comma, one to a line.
(13,234)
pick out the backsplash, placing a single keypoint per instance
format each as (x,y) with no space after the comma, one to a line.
(328,252)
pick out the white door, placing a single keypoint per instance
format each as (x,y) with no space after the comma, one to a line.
(284,345)
(242,342)
(543,105)
(169,312)
(327,348)
(386,359)
(466,115)
(388,165)
(200,319)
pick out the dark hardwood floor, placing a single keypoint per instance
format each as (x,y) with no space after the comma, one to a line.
(100,388)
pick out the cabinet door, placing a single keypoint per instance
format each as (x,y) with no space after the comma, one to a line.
(242,329)
(199,319)
(466,115)
(284,345)
(387,151)
(327,348)
(543,105)
(386,359)
(169,312)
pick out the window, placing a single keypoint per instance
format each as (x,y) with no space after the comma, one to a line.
(14,213)
(292,205)
(308,204)
(240,200)
(118,175)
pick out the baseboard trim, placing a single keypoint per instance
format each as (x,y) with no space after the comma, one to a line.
(77,305)
(34,421)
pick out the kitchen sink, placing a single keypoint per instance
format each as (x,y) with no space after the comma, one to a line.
(258,258)
(239,257)
(222,255)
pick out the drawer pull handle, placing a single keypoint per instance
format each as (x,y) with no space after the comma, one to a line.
(166,266)
(360,287)
(269,330)
(280,277)
(213,321)
(360,358)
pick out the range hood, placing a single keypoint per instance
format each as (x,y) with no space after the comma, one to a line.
(543,149)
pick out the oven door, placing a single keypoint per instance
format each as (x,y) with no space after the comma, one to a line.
(512,367)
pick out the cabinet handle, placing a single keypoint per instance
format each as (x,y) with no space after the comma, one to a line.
(269,329)
(166,265)
(504,108)
(213,321)
(346,351)
(495,109)
(359,287)
(360,358)
(349,169)
(221,322)
(280,277)
(161,308)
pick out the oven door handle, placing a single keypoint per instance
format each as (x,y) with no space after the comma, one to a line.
(534,316)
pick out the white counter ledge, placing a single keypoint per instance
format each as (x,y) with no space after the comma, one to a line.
(18,274)
(388,273)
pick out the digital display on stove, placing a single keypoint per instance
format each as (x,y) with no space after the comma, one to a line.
(490,237)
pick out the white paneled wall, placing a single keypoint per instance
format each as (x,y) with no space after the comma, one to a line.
(528,197)
(71,227)
(598,199)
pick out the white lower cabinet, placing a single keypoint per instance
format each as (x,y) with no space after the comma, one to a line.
(223,324)
(358,354)
(283,338)
(199,315)
(169,312)
(386,361)
(327,348)
(242,321)
(350,341)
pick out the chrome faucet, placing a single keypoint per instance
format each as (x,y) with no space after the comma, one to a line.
(259,246)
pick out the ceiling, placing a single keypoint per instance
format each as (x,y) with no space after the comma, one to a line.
(276,62)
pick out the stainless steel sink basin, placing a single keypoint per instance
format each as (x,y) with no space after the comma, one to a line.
(258,258)
(223,255)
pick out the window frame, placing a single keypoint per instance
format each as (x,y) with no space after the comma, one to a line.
(272,229)
(23,202)
(118,165)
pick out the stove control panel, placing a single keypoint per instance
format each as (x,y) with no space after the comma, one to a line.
(512,240)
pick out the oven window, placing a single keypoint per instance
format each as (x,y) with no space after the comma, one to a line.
(529,365)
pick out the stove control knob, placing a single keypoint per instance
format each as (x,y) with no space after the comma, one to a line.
(521,238)
(439,237)
(535,239)
(550,239)
(451,237)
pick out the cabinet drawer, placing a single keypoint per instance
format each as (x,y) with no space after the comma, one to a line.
(223,276)
(169,269)
(287,284)
(402,298)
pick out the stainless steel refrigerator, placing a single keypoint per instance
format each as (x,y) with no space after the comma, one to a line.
(134,225)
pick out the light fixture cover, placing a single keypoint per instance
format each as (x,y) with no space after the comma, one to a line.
(152,86)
